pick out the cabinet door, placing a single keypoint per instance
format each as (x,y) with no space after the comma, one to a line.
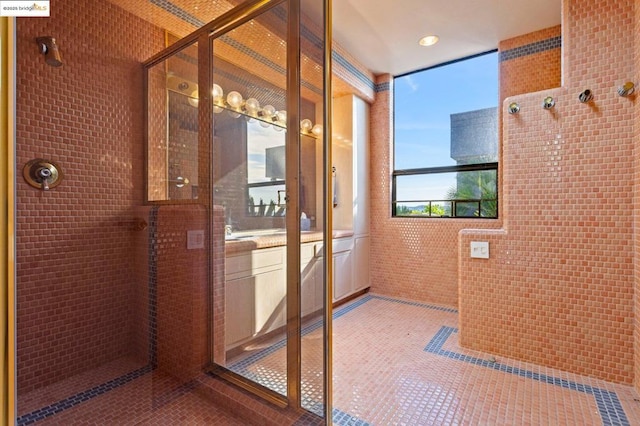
(307,286)
(270,301)
(238,310)
(361,263)
(342,274)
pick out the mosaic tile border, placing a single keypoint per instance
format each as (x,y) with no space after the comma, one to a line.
(382,87)
(80,397)
(153,285)
(530,49)
(609,405)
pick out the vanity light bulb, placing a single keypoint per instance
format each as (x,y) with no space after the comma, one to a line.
(281,117)
(317,129)
(193,99)
(306,125)
(217,109)
(217,93)
(252,106)
(268,112)
(234,99)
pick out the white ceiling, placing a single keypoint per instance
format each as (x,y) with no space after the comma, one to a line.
(383,34)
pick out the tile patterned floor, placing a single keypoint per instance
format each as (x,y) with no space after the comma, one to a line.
(396,362)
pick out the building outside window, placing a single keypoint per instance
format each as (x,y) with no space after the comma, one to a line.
(446,140)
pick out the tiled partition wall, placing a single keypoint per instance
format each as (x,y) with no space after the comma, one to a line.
(558,289)
(636,192)
(74,243)
(418,258)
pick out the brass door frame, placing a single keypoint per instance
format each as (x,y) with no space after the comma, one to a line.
(7,220)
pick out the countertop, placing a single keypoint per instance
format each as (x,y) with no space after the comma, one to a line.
(254,240)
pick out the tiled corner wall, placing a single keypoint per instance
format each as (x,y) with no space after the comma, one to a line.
(410,257)
(636,245)
(558,289)
(75,243)
(418,258)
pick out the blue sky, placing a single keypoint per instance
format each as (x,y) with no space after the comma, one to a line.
(423,104)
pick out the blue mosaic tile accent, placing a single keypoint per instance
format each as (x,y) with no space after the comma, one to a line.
(81,397)
(339,59)
(418,304)
(609,405)
(530,49)
(153,286)
(178,12)
(382,87)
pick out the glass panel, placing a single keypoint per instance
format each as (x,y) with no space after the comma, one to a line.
(172,156)
(311,203)
(249,91)
(463,194)
(447,115)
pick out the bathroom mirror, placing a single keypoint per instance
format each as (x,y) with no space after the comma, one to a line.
(172,128)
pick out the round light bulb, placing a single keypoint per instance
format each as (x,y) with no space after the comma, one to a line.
(306,125)
(234,99)
(317,129)
(281,116)
(268,111)
(217,94)
(193,99)
(252,106)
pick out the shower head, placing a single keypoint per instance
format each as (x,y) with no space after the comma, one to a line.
(49,49)
(626,89)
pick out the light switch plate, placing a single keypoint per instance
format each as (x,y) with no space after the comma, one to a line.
(195,239)
(480,249)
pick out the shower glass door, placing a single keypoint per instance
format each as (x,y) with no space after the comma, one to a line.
(268,180)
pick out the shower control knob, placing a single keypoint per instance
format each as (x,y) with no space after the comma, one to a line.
(42,174)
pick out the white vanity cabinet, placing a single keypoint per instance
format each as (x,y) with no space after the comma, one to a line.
(255,294)
(342,268)
(311,268)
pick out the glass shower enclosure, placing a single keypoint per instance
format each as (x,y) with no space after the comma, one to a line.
(237,147)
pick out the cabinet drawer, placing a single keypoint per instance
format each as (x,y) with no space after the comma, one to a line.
(257,259)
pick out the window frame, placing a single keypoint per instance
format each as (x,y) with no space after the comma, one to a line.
(485,166)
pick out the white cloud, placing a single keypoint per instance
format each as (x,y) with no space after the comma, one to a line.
(412,84)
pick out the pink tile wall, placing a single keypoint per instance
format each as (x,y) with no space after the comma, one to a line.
(74,242)
(182,297)
(410,257)
(558,288)
(533,72)
(636,155)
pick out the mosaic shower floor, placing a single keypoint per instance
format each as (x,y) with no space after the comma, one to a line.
(396,362)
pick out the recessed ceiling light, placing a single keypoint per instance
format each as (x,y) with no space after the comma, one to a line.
(429,40)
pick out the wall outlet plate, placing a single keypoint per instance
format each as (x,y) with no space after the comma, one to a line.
(195,239)
(480,249)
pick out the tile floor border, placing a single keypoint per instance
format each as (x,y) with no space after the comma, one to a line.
(608,403)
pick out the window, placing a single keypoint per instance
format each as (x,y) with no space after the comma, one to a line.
(446,140)
(265,170)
